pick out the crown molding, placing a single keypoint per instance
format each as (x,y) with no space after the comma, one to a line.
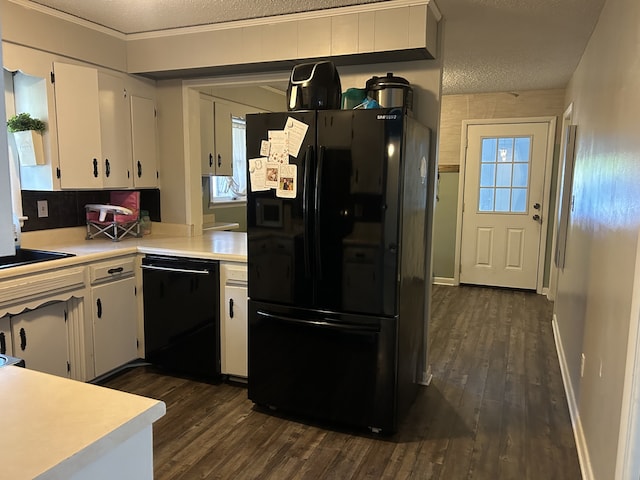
(69,18)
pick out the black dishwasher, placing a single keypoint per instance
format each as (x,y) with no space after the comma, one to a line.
(181,319)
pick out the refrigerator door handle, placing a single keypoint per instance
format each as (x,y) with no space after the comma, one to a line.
(306,210)
(322,323)
(318,196)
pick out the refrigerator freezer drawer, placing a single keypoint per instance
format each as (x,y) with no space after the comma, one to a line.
(328,367)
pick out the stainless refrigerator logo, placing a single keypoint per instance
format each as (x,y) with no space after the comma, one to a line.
(387,117)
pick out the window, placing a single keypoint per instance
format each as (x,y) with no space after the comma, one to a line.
(224,189)
(504,174)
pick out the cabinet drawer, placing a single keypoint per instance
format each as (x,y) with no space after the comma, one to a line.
(111,270)
(235,274)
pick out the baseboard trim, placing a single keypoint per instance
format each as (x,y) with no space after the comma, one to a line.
(578,432)
(444,281)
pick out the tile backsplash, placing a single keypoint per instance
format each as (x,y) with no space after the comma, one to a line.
(66,208)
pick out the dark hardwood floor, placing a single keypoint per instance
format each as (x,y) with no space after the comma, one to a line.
(496,409)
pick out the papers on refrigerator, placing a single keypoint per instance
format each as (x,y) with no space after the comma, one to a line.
(278,146)
(296,131)
(258,174)
(272,169)
(287,181)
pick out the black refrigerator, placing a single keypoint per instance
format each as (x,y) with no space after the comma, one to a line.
(338,269)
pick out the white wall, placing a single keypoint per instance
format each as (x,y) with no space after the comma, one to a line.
(593,304)
(6,237)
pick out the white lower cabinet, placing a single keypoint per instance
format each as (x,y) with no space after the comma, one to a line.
(6,345)
(233,319)
(40,338)
(114,315)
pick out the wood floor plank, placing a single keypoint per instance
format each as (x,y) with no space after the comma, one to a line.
(495,409)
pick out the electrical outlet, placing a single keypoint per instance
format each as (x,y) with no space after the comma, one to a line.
(582,360)
(43,208)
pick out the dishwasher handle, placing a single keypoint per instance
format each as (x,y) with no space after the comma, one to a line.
(175,270)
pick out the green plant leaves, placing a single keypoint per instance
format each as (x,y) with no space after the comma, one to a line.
(23,121)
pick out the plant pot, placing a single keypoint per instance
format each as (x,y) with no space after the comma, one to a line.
(29,146)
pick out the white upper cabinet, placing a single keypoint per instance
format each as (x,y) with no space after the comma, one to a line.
(216,137)
(93,128)
(223,115)
(207,139)
(143,133)
(78,120)
(115,128)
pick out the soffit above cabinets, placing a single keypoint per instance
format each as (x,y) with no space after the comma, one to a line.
(489,45)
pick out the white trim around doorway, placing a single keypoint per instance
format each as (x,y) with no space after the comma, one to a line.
(551,121)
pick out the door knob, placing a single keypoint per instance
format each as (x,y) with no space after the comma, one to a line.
(536,217)
(536,206)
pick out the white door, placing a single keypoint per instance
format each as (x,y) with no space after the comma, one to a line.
(115,328)
(235,330)
(503,200)
(40,339)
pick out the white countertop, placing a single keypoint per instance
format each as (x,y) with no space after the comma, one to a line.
(55,425)
(215,245)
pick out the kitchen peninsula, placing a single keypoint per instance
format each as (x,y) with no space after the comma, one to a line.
(59,428)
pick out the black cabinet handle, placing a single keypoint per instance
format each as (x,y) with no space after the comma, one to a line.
(219,160)
(107,167)
(231,308)
(23,339)
(95,167)
(210,160)
(139,169)
(99,305)
(111,271)
(3,343)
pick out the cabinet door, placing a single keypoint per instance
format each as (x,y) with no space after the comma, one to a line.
(223,159)
(235,330)
(114,324)
(115,132)
(206,136)
(6,347)
(78,121)
(143,136)
(40,338)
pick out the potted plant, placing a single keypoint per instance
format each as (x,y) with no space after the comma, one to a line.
(27,132)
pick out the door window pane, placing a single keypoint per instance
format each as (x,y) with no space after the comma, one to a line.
(505,150)
(522,149)
(503,177)
(486,200)
(489,149)
(503,199)
(504,174)
(519,200)
(520,175)
(488,175)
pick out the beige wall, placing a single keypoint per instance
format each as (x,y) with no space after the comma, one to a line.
(596,288)
(456,109)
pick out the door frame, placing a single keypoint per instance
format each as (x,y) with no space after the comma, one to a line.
(562,173)
(551,121)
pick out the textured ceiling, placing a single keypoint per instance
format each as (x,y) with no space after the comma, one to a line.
(490,45)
